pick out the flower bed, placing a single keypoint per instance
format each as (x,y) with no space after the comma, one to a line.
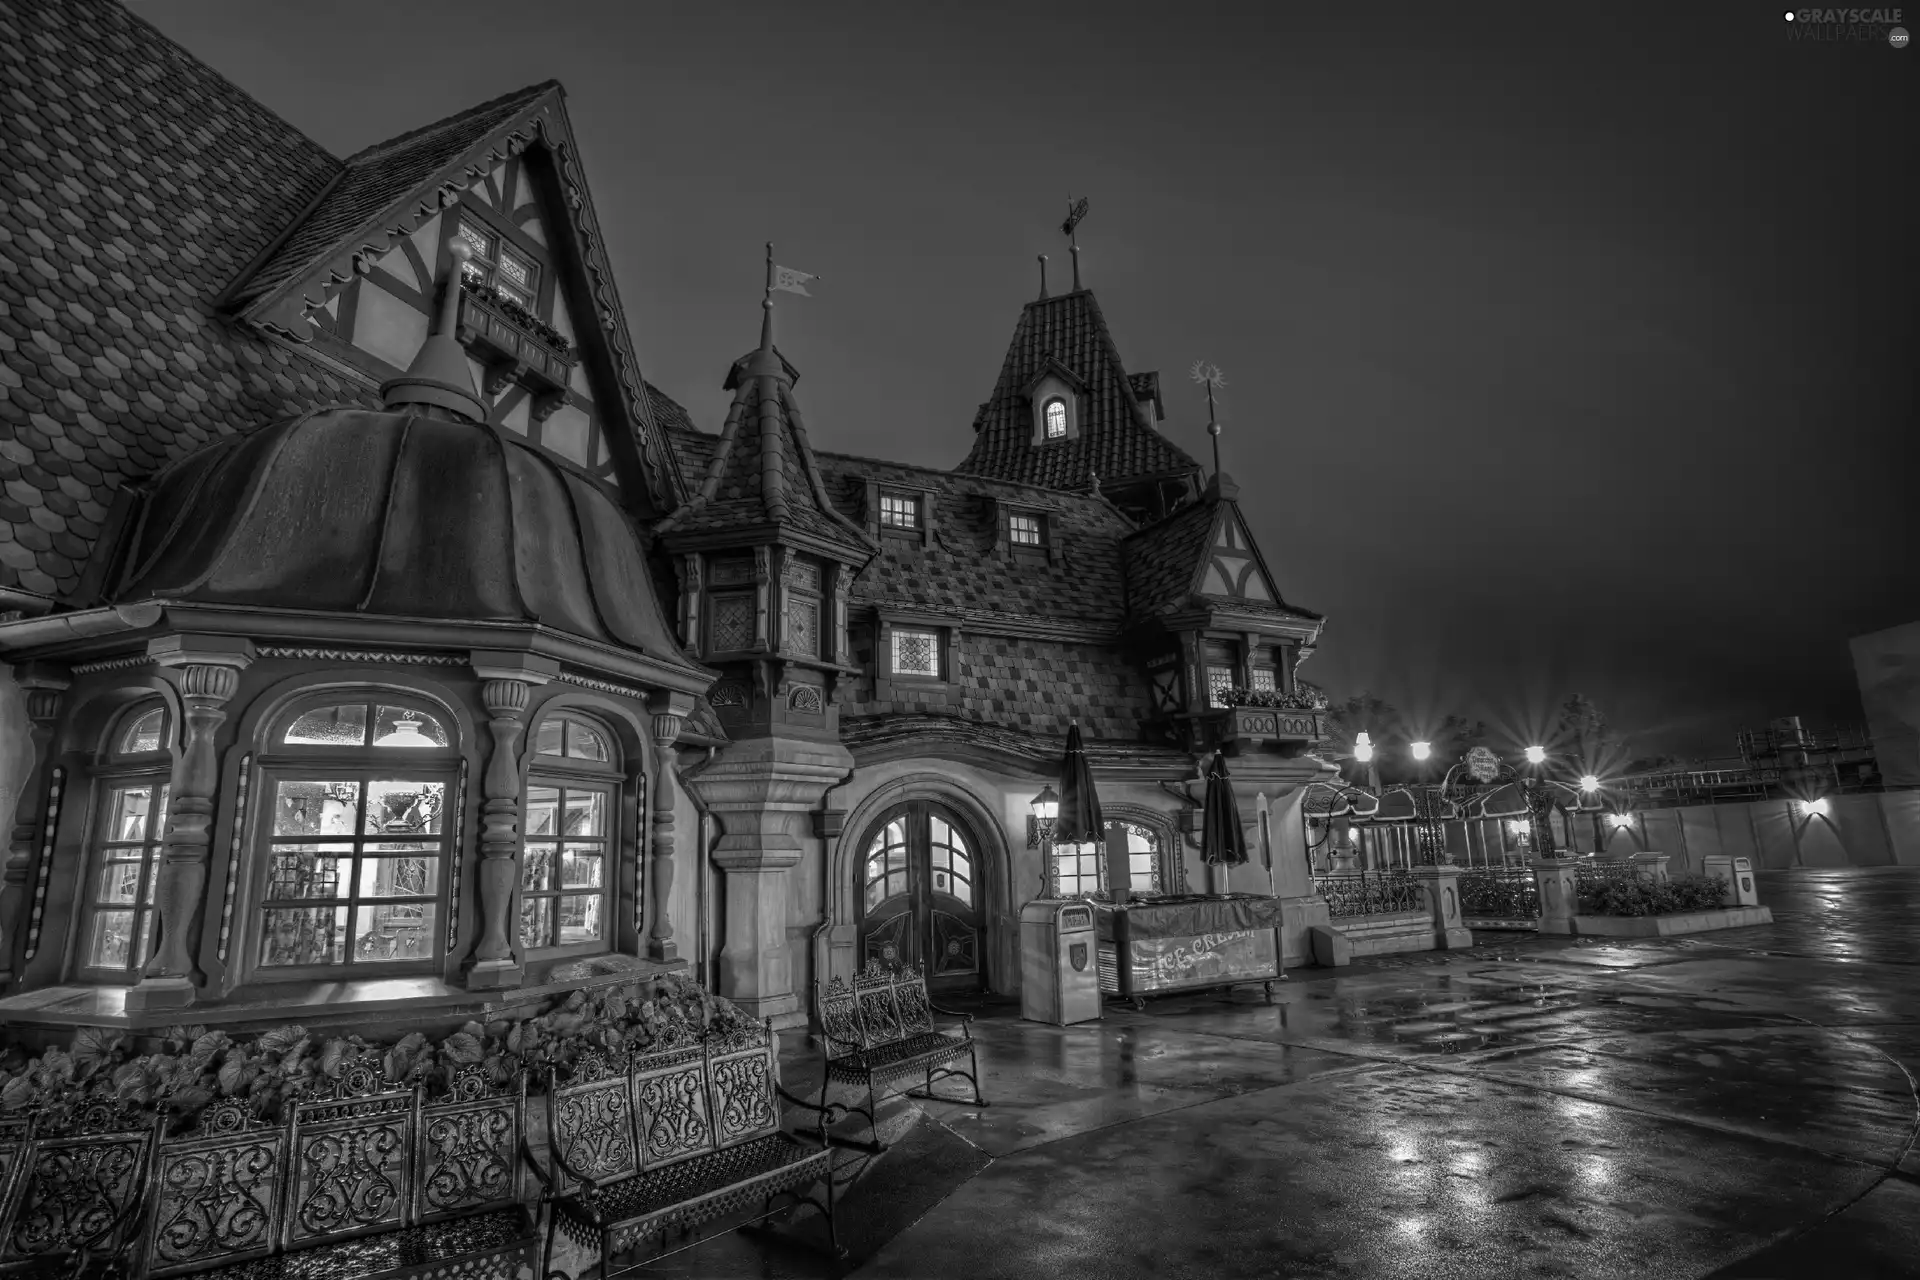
(1642,897)
(196,1067)
(1275,699)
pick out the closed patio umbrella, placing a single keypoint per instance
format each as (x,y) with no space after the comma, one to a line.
(1223,842)
(1080,819)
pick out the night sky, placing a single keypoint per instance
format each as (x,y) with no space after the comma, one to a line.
(1568,348)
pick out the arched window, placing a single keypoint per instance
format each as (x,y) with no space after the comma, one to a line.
(358,835)
(117,934)
(567,851)
(1056,413)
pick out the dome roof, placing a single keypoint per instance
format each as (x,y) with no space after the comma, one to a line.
(407,514)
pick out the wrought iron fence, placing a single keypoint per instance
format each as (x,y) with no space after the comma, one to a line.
(1594,872)
(1367,893)
(1500,893)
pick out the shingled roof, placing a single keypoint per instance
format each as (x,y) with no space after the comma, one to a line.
(1116,440)
(761,471)
(1175,564)
(135,184)
(366,191)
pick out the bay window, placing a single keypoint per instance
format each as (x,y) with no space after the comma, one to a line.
(117,937)
(567,852)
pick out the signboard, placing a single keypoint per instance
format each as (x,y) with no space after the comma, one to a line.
(1483,764)
(1160,963)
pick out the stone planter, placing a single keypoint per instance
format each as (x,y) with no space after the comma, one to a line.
(1667,925)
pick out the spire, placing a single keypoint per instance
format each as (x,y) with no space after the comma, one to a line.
(1076,210)
(766,362)
(439,375)
(1043,277)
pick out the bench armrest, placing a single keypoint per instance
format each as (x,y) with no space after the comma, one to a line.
(830,1114)
(546,1179)
(950,1013)
(587,1183)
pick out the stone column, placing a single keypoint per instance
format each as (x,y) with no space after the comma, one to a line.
(1441,884)
(44,687)
(1559,899)
(507,683)
(763,791)
(669,711)
(206,672)
(1651,866)
(1301,909)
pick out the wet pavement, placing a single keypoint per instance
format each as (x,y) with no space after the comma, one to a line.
(1737,1104)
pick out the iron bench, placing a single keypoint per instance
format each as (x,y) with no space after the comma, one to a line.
(672,1139)
(880,1031)
(360,1179)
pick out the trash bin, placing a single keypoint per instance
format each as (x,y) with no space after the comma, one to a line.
(1059,975)
(1738,873)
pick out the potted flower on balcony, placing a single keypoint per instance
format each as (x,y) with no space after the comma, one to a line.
(518,341)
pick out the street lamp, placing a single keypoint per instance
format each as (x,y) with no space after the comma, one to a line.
(1536,755)
(1041,822)
(1362,747)
(1589,783)
(1421,750)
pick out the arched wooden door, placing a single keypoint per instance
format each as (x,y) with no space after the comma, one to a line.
(921,885)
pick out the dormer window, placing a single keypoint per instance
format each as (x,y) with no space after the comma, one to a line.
(899,511)
(497,265)
(1056,413)
(1025,529)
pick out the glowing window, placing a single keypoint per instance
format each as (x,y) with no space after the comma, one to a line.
(1076,870)
(897,512)
(350,725)
(563,868)
(886,864)
(119,933)
(571,738)
(1263,679)
(1143,856)
(1024,531)
(1056,414)
(1219,680)
(143,733)
(497,265)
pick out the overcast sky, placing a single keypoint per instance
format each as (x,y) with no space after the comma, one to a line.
(1568,348)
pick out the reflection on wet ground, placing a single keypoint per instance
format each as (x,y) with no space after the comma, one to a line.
(1530,1107)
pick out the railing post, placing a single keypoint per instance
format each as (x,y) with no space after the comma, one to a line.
(1442,887)
(1559,895)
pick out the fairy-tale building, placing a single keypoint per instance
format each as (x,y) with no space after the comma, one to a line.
(383,647)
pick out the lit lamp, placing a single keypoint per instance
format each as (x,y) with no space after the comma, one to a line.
(1620,821)
(1040,823)
(406,733)
(1814,808)
(1362,746)
(1536,755)
(1589,783)
(1421,750)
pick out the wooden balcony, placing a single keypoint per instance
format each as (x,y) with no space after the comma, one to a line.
(1254,725)
(510,349)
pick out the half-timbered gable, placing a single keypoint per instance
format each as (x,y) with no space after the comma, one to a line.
(355,280)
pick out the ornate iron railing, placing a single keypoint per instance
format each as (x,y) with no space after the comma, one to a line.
(1499,893)
(1367,893)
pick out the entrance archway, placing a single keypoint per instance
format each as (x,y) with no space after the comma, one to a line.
(921,887)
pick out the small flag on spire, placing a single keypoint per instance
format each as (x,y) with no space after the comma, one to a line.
(792,281)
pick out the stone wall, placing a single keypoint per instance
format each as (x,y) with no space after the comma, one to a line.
(1869,830)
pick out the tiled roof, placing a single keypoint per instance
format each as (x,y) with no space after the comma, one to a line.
(1115,442)
(760,470)
(960,570)
(135,185)
(368,186)
(1163,559)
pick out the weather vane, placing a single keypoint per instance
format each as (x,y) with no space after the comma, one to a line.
(1209,376)
(1076,210)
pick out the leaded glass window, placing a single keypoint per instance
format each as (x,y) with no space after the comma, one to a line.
(143,732)
(803,624)
(1076,870)
(1219,680)
(730,623)
(899,512)
(497,264)
(916,653)
(1024,531)
(1263,679)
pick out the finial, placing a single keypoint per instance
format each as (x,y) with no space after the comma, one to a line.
(1076,210)
(439,375)
(1043,277)
(1209,376)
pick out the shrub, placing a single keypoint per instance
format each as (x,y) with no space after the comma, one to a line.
(1638,897)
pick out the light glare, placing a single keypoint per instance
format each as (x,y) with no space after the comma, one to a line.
(1535,755)
(1619,820)
(1814,808)
(1362,746)
(1589,783)
(1421,750)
